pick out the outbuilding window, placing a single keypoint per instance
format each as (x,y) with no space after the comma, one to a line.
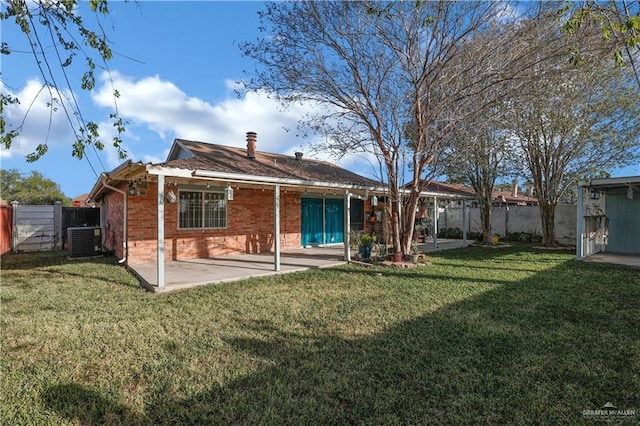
(202,209)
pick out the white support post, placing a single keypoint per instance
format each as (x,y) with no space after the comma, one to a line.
(160,239)
(347,226)
(464,223)
(435,223)
(276,228)
(580,224)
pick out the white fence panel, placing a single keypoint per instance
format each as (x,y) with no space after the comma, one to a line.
(33,228)
(516,219)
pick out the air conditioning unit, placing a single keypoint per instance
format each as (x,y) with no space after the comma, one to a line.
(84,241)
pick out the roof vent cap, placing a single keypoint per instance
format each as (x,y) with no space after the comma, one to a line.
(251,144)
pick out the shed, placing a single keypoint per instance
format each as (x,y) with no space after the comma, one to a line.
(608,217)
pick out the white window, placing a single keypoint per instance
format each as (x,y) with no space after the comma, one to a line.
(202,209)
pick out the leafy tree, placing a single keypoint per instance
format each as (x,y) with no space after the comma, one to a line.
(618,21)
(386,76)
(31,189)
(56,35)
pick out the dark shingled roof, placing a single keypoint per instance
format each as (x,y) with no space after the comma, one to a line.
(227,159)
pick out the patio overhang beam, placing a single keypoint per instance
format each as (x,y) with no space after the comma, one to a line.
(290,182)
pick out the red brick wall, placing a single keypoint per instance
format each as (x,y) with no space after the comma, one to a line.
(249,226)
(114,203)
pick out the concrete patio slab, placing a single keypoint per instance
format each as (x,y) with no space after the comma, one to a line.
(183,274)
(615,258)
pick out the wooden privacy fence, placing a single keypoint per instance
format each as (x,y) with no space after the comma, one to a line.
(6,228)
(42,228)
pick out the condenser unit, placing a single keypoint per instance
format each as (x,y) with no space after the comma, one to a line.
(84,241)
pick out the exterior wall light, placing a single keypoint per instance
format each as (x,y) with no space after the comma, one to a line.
(228,193)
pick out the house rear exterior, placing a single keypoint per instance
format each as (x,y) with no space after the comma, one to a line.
(207,200)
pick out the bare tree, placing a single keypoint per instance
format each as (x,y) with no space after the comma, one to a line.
(574,119)
(487,149)
(482,149)
(386,74)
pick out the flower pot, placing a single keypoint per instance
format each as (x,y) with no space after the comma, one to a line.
(415,257)
(397,257)
(365,251)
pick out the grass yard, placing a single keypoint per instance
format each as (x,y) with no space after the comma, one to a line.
(514,336)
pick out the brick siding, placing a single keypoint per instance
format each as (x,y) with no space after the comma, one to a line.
(249,226)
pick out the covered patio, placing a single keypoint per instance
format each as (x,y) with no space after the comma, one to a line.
(183,274)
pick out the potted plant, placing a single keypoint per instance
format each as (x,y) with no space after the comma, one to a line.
(415,253)
(366,243)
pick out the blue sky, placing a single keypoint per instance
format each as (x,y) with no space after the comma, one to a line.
(175,65)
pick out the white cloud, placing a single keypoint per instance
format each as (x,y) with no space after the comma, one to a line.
(507,14)
(157,111)
(41,118)
(161,107)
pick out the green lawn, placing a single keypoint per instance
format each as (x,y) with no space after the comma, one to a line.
(479,336)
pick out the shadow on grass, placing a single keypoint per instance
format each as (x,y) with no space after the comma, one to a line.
(85,406)
(539,351)
(14,261)
(24,268)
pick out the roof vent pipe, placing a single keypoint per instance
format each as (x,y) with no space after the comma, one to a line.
(251,144)
(299,156)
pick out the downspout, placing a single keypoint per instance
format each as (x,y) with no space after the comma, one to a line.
(124,218)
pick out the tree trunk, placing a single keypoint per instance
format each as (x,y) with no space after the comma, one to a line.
(395,215)
(395,226)
(547,215)
(409,220)
(485,220)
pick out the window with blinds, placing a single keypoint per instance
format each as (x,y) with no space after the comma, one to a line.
(202,209)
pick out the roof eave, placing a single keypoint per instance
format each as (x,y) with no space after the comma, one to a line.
(122,172)
(611,182)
